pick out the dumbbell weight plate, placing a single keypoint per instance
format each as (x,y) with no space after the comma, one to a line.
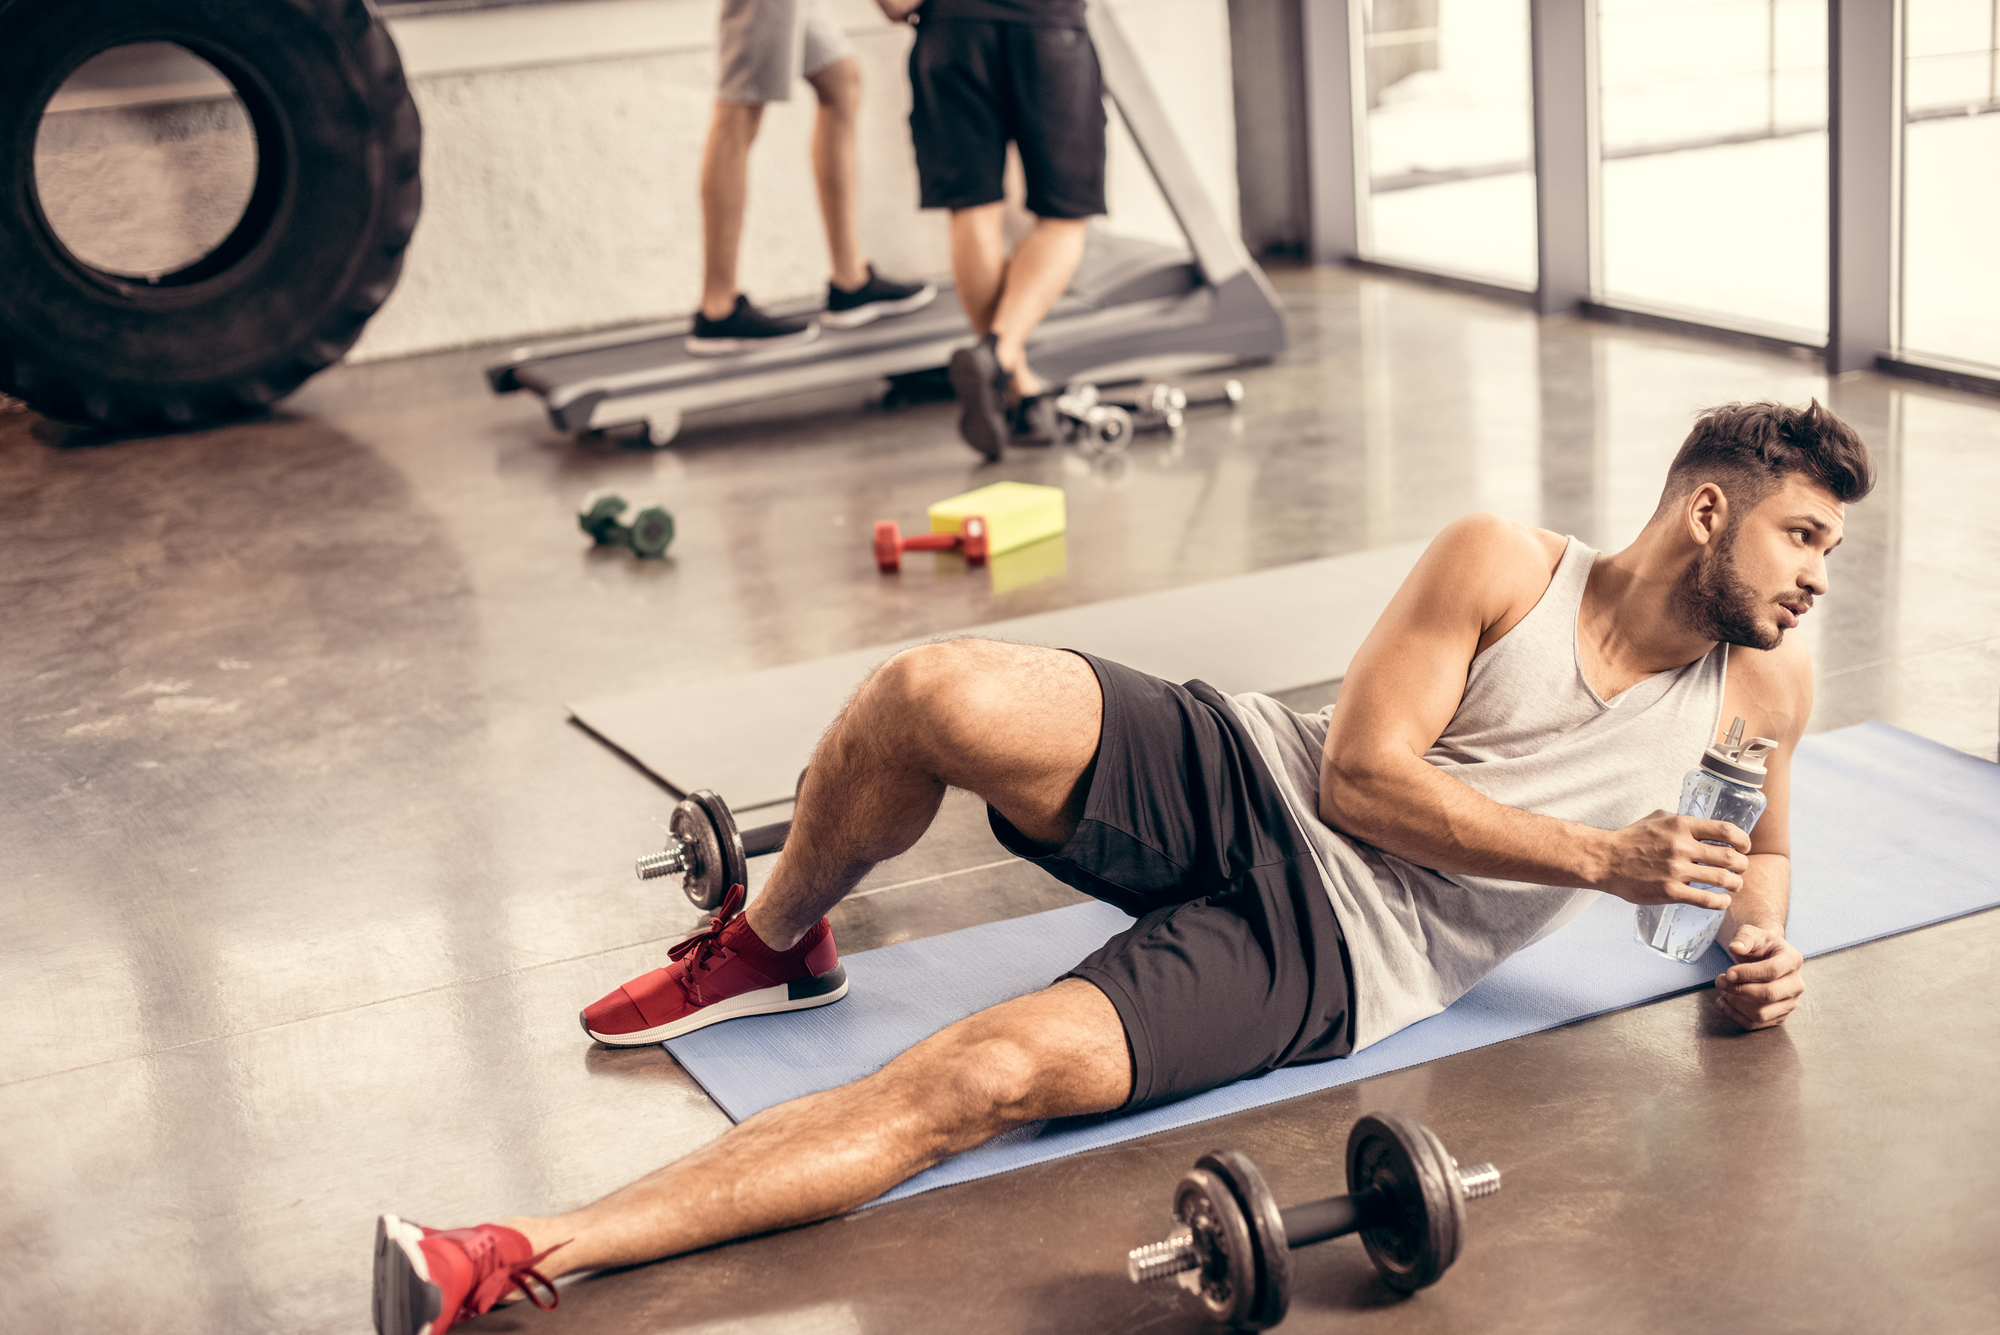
(1107,430)
(1410,1165)
(1272,1292)
(704,821)
(652,531)
(598,514)
(1227,1280)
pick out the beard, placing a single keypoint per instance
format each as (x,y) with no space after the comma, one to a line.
(1715,602)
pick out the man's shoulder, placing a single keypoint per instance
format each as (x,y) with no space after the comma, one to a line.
(1501,553)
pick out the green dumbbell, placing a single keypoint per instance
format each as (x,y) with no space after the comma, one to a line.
(649,533)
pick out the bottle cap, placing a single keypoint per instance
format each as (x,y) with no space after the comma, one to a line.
(1737,760)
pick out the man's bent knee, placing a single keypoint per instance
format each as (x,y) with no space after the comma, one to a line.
(1060,1052)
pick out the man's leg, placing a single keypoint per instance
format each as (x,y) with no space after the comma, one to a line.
(836,166)
(725,191)
(1037,275)
(1016,725)
(1008,297)
(978,262)
(1055,1053)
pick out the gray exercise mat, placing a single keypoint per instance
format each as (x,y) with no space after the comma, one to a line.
(748,736)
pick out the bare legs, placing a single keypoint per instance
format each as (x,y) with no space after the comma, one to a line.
(1008,297)
(1016,725)
(725,190)
(1054,1053)
(725,183)
(836,167)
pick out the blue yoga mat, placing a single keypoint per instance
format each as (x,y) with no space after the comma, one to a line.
(1889,833)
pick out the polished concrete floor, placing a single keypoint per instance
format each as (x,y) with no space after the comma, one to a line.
(306,874)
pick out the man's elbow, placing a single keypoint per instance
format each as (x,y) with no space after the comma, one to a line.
(1346,787)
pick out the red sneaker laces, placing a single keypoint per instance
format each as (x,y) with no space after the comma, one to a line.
(521,1275)
(702,945)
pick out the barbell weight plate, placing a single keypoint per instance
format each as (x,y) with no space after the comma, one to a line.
(1401,1158)
(1227,1279)
(731,866)
(1268,1248)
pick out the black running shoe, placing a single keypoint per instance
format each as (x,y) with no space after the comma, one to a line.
(874,299)
(1034,420)
(981,387)
(746,329)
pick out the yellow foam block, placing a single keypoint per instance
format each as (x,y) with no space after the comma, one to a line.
(1016,513)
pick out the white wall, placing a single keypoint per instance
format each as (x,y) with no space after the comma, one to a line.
(562,145)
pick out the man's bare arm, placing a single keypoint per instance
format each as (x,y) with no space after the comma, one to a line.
(1773,692)
(898,11)
(1477,579)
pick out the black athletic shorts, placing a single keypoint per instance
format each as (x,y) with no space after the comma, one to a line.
(1236,965)
(976,85)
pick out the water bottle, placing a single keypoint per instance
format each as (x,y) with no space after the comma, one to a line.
(1727,785)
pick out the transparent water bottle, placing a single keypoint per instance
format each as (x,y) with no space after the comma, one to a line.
(1727,785)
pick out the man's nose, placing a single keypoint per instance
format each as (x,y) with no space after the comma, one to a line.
(1814,580)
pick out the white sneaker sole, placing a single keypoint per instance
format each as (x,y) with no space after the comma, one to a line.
(878,310)
(406,1300)
(800,995)
(723,347)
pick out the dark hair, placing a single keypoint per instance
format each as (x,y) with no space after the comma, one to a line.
(1748,449)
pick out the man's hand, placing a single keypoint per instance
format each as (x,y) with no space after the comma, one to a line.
(1765,983)
(1656,860)
(898,11)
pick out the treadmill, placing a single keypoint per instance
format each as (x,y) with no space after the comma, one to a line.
(1134,307)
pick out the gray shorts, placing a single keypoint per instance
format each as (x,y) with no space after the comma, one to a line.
(765,46)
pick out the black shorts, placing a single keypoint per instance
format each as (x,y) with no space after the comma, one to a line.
(976,85)
(1236,965)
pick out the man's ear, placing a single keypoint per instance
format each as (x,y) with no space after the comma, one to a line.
(1707,511)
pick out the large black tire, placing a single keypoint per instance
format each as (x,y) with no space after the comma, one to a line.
(318,250)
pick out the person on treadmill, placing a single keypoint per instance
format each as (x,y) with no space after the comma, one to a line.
(984,73)
(763,46)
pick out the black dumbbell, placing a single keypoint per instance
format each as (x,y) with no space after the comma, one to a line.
(649,532)
(1406,1199)
(707,851)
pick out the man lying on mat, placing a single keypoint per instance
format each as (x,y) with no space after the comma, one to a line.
(1303,885)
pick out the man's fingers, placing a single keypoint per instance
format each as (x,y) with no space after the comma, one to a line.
(1761,994)
(1722,832)
(1761,970)
(1755,1011)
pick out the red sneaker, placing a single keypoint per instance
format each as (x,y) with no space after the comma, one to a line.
(427,1280)
(718,974)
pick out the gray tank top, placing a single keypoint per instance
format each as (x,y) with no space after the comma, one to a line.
(1530,733)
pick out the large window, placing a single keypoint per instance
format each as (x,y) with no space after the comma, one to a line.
(1951,180)
(1450,136)
(1714,160)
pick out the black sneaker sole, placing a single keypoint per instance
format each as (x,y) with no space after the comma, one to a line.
(724,347)
(982,418)
(856,316)
(406,1302)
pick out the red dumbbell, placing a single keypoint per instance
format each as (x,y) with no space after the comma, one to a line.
(890,544)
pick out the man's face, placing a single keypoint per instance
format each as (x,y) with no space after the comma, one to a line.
(1760,574)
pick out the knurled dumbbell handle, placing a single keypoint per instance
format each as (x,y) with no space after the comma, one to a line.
(1316,1221)
(765,838)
